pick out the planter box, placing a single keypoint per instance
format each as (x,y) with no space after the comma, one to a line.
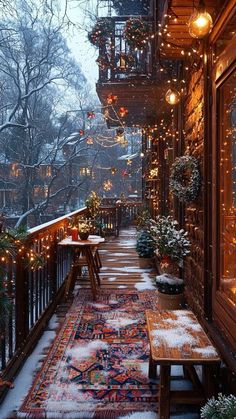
(170,301)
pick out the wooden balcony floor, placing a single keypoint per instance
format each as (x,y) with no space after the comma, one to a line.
(120,265)
(120,271)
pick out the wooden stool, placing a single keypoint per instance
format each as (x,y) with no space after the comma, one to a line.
(165,352)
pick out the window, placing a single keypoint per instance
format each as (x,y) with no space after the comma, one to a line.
(227,183)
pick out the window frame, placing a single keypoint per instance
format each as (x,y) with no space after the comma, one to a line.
(223,311)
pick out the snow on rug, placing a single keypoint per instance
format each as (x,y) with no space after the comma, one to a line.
(97,366)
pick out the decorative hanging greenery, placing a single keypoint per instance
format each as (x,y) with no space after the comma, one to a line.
(100,33)
(136,33)
(185,178)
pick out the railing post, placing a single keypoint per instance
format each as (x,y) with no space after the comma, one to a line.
(53,266)
(22,301)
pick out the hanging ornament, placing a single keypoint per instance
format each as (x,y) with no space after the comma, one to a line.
(90,115)
(113,170)
(172,96)
(123,112)
(89,141)
(124,173)
(107,185)
(81,132)
(200,22)
(111,99)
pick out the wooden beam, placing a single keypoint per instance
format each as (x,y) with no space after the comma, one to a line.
(222,21)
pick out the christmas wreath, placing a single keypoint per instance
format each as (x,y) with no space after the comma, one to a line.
(100,33)
(136,33)
(185,178)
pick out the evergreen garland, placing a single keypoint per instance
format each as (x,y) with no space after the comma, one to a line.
(100,33)
(136,33)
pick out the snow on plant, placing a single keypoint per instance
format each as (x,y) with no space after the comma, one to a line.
(169,241)
(222,408)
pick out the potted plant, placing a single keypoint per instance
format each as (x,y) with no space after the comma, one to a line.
(145,249)
(222,408)
(84,227)
(171,245)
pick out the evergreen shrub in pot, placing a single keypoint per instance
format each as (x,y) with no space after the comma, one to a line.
(224,407)
(145,249)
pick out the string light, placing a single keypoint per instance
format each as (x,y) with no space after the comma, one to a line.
(200,22)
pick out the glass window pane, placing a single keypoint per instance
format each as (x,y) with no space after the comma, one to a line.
(227,119)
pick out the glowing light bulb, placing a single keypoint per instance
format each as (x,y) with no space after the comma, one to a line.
(172,96)
(200,23)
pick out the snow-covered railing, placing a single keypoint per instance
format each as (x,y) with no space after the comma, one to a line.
(34,292)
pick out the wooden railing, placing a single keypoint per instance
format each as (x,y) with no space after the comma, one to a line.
(117,61)
(36,292)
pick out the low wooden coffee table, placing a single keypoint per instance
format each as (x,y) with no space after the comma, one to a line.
(177,338)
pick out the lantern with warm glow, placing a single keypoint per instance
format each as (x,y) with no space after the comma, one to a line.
(172,96)
(123,112)
(200,22)
(111,99)
(113,170)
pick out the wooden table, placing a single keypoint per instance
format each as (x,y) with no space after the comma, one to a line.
(176,337)
(88,249)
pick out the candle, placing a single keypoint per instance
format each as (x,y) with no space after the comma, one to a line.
(74,233)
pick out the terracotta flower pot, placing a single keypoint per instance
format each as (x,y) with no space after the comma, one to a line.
(145,263)
(170,301)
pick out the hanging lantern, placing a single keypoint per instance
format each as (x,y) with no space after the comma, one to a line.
(200,22)
(90,115)
(113,170)
(123,112)
(172,96)
(89,141)
(111,99)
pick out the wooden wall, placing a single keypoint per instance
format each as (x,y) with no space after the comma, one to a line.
(193,141)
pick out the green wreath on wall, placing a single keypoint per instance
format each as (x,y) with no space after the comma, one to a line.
(185,178)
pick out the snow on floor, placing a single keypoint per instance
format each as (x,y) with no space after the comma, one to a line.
(153,415)
(24,380)
(146,284)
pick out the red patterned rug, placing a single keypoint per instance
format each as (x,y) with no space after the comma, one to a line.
(97,366)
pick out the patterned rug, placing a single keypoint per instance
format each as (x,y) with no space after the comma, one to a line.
(97,366)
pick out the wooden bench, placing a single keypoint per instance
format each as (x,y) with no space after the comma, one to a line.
(177,338)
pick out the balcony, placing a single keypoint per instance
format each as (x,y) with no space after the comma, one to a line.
(35,293)
(130,74)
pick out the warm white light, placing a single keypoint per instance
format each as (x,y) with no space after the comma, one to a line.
(200,24)
(172,96)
